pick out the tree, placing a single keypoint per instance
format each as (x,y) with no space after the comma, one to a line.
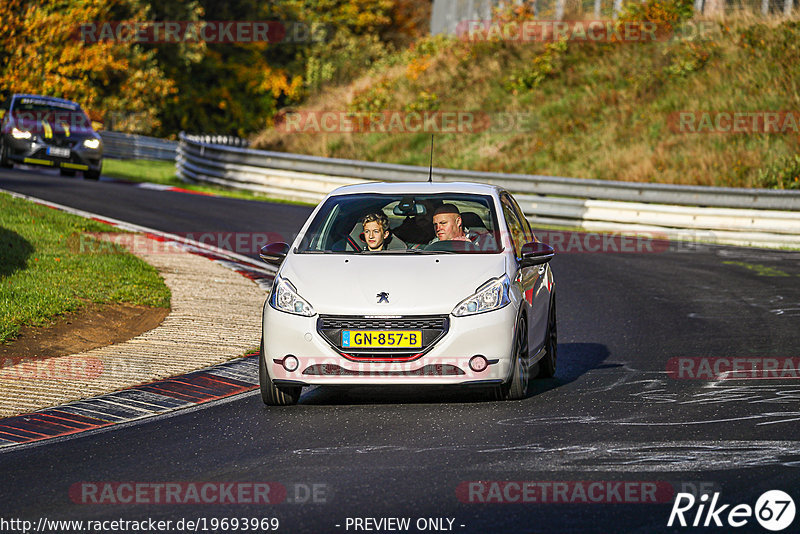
(44,53)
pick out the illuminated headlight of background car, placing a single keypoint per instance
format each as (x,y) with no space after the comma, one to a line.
(16,133)
(285,298)
(91,143)
(491,296)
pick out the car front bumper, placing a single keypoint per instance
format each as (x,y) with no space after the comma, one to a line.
(446,362)
(35,152)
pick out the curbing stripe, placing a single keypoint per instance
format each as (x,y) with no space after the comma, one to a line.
(84,411)
(159,187)
(145,400)
(152,401)
(237,375)
(74,418)
(18,435)
(111,409)
(199,387)
(57,422)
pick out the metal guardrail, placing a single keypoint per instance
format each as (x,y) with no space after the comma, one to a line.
(129,146)
(447,14)
(759,217)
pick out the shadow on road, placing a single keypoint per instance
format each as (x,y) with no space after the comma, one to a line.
(574,360)
(14,252)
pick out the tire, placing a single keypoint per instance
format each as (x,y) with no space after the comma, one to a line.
(271,394)
(91,175)
(66,172)
(547,365)
(517,387)
(4,161)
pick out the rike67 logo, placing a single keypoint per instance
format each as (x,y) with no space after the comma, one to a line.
(774,510)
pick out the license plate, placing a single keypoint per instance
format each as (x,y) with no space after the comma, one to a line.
(382,339)
(57,152)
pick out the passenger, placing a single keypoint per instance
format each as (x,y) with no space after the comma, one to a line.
(376,231)
(447,224)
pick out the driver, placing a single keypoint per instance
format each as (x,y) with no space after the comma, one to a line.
(447,224)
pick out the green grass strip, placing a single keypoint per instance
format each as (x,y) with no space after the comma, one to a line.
(45,273)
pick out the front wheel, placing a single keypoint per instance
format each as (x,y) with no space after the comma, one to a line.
(271,394)
(91,175)
(547,365)
(517,387)
(5,162)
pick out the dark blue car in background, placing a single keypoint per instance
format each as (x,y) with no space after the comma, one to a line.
(49,131)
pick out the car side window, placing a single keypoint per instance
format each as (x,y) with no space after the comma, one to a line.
(514,226)
(526,226)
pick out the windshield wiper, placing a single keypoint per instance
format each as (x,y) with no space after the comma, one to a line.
(423,251)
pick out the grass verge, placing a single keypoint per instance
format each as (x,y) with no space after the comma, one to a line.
(163,172)
(44,273)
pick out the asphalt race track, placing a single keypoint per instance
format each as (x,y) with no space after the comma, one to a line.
(607,444)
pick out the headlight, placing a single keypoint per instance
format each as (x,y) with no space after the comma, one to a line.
(492,295)
(91,143)
(16,133)
(284,297)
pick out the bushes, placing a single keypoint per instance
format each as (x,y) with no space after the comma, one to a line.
(785,174)
(543,66)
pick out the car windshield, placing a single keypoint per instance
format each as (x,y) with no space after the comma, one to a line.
(35,110)
(339,226)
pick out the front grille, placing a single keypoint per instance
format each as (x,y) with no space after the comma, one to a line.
(433,327)
(436,322)
(428,370)
(62,141)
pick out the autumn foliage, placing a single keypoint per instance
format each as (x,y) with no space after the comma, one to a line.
(162,88)
(40,55)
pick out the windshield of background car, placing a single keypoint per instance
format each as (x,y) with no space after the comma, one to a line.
(337,226)
(32,111)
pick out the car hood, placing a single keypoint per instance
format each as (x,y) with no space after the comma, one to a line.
(53,129)
(416,284)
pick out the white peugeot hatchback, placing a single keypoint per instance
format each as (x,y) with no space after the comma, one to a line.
(410,283)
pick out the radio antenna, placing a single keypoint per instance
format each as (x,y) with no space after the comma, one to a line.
(430,170)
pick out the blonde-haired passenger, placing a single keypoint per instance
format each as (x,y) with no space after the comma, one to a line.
(376,231)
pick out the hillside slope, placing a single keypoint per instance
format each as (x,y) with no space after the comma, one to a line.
(605,110)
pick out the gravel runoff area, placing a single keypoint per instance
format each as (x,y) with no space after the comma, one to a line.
(215,316)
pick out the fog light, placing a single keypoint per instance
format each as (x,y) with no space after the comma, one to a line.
(290,363)
(478,363)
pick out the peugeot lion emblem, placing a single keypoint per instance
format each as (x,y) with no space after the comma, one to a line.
(383,296)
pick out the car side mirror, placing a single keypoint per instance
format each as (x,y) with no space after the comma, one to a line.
(536,253)
(274,253)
